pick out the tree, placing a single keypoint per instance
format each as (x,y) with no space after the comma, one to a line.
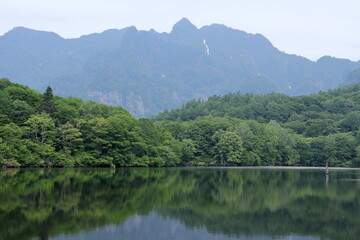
(21,111)
(10,132)
(18,92)
(70,136)
(351,122)
(5,104)
(356,162)
(100,138)
(40,128)
(228,147)
(341,149)
(64,112)
(188,150)
(47,103)
(6,156)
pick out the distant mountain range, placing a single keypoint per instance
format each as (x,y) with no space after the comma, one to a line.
(147,72)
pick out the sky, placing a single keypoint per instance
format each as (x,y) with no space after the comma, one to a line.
(310,28)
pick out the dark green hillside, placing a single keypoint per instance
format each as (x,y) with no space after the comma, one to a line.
(272,129)
(334,104)
(48,131)
(43,130)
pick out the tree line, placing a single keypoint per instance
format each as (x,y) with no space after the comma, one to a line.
(43,130)
(271,129)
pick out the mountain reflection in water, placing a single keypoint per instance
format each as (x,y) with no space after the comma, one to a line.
(155,227)
(179,203)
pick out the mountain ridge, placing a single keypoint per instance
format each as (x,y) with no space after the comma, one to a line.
(147,72)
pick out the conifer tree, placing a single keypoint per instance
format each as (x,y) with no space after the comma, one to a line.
(47,104)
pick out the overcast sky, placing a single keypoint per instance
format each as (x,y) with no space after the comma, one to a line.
(311,28)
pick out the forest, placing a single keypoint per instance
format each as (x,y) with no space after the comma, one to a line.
(271,129)
(44,130)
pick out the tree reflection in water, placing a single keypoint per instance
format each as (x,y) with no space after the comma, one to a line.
(220,203)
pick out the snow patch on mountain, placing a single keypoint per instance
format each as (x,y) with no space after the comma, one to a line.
(207,47)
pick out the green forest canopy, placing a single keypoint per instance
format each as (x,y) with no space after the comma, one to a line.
(45,130)
(42,130)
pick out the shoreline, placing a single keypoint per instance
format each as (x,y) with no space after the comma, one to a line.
(198,167)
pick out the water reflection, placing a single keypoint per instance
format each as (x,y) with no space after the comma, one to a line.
(179,204)
(155,227)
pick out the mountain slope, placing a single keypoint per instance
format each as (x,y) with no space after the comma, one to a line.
(353,77)
(147,71)
(249,129)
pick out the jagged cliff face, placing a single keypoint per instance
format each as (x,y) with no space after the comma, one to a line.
(353,77)
(147,72)
(134,103)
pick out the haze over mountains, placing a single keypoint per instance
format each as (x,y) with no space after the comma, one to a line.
(147,72)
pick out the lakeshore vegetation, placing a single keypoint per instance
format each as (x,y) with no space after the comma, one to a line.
(43,130)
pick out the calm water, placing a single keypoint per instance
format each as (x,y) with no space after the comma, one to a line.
(181,203)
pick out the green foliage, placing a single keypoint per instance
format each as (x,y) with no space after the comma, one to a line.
(52,131)
(228,147)
(40,128)
(241,130)
(21,111)
(273,129)
(47,103)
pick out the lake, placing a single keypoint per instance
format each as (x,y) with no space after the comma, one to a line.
(179,203)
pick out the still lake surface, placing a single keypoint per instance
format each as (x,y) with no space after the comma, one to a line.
(179,203)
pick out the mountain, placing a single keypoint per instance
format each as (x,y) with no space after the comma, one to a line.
(352,77)
(147,71)
(36,57)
